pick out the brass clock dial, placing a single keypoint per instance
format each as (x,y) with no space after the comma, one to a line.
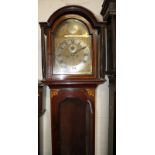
(73,53)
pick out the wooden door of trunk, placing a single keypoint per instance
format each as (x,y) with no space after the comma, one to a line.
(72,122)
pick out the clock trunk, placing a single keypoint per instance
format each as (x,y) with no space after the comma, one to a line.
(73,117)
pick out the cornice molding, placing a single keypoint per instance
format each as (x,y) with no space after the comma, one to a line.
(108,9)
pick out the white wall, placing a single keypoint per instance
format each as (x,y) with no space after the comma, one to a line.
(46,8)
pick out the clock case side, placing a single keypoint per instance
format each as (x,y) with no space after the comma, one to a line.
(99,46)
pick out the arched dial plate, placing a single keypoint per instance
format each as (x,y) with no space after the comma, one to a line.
(73,53)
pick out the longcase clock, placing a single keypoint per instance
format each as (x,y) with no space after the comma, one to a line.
(73,64)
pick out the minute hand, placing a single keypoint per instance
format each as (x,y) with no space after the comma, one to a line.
(78,50)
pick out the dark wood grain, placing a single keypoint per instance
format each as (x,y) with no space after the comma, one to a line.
(112,116)
(41,104)
(108,9)
(74,9)
(41,110)
(109,16)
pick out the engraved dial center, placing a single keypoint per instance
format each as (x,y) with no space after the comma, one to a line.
(72,48)
(72,54)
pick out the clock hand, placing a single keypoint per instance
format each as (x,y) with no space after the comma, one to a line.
(78,50)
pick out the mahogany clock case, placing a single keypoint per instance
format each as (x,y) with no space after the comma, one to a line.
(73,93)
